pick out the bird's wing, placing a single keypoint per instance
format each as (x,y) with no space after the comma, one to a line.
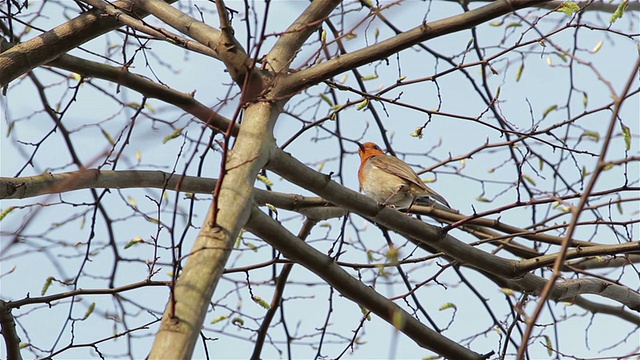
(395,166)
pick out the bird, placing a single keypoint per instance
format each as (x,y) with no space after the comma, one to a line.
(389,180)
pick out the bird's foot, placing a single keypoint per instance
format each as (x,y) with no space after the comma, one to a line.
(386,204)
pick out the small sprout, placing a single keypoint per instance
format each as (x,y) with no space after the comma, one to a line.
(497,329)
(366,312)
(363,104)
(562,56)
(507,291)
(219,318)
(370,257)
(626,133)
(150,107)
(619,11)
(173,135)
(265,180)
(469,43)
(239,239)
(89,311)
(448,306)
(132,201)
(260,301)
(548,344)
(47,284)
(591,135)
(548,110)
(251,246)
(597,47)
(6,212)
(135,240)
(569,8)
(520,70)
(418,133)
(529,179)
(392,255)
(108,137)
(326,99)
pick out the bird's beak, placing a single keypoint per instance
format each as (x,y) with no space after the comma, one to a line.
(360,146)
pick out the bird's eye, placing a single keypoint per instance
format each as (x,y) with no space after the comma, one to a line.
(376,147)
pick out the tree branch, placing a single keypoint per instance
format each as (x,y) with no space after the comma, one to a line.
(146,87)
(277,236)
(288,44)
(311,76)
(9,334)
(228,49)
(30,54)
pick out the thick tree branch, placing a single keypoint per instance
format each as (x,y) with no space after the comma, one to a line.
(186,310)
(228,49)
(501,270)
(276,235)
(138,24)
(547,260)
(25,187)
(145,87)
(9,334)
(30,54)
(289,43)
(311,76)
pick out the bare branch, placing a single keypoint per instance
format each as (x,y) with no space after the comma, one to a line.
(28,55)
(381,50)
(323,266)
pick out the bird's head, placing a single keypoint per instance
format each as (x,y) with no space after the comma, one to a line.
(369,149)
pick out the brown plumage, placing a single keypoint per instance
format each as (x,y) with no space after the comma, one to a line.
(389,180)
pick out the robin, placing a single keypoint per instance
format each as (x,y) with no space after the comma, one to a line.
(389,180)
